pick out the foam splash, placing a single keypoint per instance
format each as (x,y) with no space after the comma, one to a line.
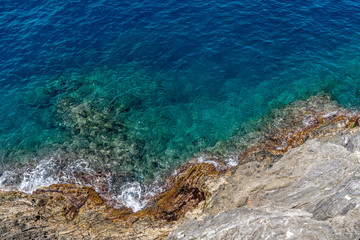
(205,159)
(49,171)
(42,175)
(231,161)
(131,196)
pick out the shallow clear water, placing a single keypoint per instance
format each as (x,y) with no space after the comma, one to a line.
(137,88)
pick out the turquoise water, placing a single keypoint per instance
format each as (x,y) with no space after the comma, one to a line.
(137,88)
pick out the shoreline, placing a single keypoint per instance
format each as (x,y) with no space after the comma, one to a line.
(190,192)
(294,124)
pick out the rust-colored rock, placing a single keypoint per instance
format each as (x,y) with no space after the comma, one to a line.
(78,212)
(281,140)
(185,194)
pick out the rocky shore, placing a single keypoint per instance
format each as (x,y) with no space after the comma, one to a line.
(312,192)
(299,181)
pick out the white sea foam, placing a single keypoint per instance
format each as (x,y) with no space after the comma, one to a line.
(136,196)
(51,170)
(42,175)
(231,161)
(204,159)
(130,195)
(48,171)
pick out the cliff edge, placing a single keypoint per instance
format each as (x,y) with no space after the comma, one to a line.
(312,192)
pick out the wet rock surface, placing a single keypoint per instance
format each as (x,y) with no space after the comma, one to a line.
(312,192)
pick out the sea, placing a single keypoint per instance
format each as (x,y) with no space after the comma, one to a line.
(125,92)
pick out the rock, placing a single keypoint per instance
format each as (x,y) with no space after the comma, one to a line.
(312,192)
(250,223)
(66,211)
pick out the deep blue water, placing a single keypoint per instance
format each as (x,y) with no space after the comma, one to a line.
(138,87)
